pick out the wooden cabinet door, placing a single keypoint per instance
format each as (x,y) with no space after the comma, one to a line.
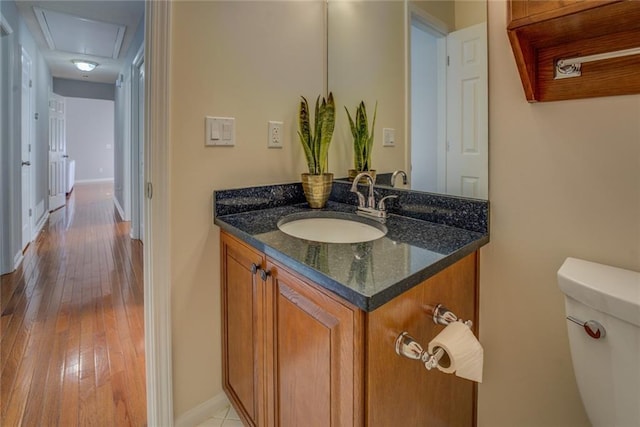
(315,356)
(241,328)
(401,391)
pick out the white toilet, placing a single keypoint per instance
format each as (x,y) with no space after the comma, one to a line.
(606,363)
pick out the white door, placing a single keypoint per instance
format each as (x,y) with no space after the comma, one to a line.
(467,111)
(57,152)
(27,118)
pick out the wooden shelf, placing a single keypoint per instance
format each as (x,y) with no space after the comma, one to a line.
(541,32)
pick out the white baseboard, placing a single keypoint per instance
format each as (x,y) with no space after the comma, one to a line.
(203,411)
(89,181)
(119,208)
(39,210)
(17,259)
(40,224)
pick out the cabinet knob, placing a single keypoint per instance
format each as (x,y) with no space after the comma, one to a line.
(254,268)
(264,274)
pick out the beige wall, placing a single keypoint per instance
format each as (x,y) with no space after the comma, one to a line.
(366,64)
(456,14)
(469,13)
(251,61)
(443,10)
(564,181)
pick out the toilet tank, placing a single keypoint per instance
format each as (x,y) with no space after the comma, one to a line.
(607,370)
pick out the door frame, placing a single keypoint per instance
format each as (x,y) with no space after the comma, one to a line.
(156,250)
(5,150)
(127,106)
(11,192)
(135,186)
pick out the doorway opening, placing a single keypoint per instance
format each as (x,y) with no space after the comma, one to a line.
(448,92)
(428,105)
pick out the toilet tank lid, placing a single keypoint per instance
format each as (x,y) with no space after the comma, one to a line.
(611,290)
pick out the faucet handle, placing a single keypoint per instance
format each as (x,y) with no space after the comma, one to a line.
(381,205)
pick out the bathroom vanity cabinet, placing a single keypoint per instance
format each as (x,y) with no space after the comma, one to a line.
(297,354)
(291,352)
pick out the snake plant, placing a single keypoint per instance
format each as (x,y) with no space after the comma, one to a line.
(316,140)
(362,138)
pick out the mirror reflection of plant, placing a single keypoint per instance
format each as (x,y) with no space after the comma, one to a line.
(315,141)
(361,264)
(317,256)
(362,137)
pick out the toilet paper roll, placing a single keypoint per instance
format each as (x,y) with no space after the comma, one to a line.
(463,351)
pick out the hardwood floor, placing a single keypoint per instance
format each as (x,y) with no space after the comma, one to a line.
(72,344)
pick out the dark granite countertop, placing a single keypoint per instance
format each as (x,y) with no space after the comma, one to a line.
(366,274)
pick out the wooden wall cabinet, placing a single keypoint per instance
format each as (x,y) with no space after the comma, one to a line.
(542,32)
(295,354)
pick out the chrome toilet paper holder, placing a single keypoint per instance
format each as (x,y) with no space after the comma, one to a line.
(441,315)
(408,347)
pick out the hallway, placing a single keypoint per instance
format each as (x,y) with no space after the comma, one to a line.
(72,343)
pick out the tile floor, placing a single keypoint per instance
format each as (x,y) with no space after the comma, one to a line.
(228,417)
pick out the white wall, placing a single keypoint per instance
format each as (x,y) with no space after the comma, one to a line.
(251,61)
(563,181)
(90,137)
(366,64)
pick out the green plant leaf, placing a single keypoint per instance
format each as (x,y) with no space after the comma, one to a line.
(304,132)
(370,139)
(362,138)
(315,141)
(328,124)
(317,125)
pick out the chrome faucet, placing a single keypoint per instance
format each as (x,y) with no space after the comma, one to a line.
(369,208)
(354,189)
(396,173)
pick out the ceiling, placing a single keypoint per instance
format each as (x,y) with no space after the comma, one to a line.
(95,30)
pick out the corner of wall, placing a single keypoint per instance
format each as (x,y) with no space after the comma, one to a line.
(203,411)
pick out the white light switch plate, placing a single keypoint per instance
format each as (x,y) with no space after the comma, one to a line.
(219,131)
(388,137)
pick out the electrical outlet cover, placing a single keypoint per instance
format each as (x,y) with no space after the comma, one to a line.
(275,137)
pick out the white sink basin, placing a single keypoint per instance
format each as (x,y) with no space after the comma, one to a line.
(331,227)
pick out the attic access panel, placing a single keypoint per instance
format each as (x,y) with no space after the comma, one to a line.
(74,34)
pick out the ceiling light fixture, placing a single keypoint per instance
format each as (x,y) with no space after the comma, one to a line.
(84,65)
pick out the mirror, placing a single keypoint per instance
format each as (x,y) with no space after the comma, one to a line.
(432,118)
